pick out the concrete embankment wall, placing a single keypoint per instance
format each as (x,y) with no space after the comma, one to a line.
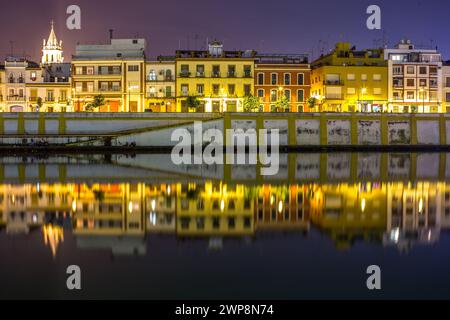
(295,129)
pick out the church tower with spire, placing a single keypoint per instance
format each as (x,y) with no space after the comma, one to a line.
(52,49)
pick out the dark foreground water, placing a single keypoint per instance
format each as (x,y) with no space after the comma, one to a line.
(140,228)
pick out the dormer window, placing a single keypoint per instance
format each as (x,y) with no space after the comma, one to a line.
(33,76)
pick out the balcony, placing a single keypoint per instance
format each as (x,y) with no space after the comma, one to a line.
(109,73)
(333,82)
(334,96)
(231,74)
(215,74)
(19,80)
(33,99)
(156,79)
(15,98)
(49,99)
(184,74)
(398,84)
(110,89)
(248,74)
(200,74)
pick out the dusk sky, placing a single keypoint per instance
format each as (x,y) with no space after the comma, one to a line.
(282,26)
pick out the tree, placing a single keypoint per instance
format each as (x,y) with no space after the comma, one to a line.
(283,103)
(312,101)
(192,102)
(39,104)
(99,100)
(251,103)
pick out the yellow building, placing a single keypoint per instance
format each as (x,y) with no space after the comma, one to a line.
(350,80)
(116,71)
(214,209)
(349,211)
(219,79)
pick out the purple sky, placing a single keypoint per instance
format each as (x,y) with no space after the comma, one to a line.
(285,26)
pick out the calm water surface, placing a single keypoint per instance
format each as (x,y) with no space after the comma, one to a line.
(139,227)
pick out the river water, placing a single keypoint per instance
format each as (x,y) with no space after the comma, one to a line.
(139,227)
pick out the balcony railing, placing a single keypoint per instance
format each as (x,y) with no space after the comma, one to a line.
(157,79)
(336,96)
(333,82)
(231,74)
(215,74)
(110,89)
(49,99)
(13,80)
(248,74)
(200,74)
(15,98)
(184,74)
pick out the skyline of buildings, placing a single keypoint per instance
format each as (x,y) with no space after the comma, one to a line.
(401,79)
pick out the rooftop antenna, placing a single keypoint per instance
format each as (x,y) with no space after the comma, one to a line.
(11,43)
(110,35)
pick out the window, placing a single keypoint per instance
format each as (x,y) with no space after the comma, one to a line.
(377,91)
(422,82)
(433,95)
(447,82)
(50,95)
(410,70)
(364,77)
(78,86)
(447,97)
(410,95)
(247,89)
(377,77)
(152,75)
(184,70)
(152,92)
(261,78)
(184,89)
(33,76)
(433,82)
(232,71)
(133,68)
(79,70)
(287,79)
(231,89)
(422,70)
(351,76)
(200,70)
(333,93)
(273,95)
(422,95)
(397,95)
(287,94)
(247,71)
(398,82)
(410,82)
(351,90)
(90,87)
(433,71)
(90,70)
(300,79)
(168,91)
(63,95)
(260,93)
(398,70)
(273,78)
(216,71)
(300,95)
(215,89)
(200,89)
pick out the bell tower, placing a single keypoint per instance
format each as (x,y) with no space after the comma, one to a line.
(52,49)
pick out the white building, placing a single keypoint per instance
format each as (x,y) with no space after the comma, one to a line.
(160,85)
(446,87)
(115,70)
(415,79)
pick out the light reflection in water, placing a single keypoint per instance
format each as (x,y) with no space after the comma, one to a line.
(117,216)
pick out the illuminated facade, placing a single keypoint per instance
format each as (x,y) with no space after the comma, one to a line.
(219,79)
(415,79)
(349,80)
(115,71)
(279,75)
(446,87)
(160,85)
(52,49)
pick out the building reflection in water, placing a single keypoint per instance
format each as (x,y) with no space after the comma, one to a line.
(118,216)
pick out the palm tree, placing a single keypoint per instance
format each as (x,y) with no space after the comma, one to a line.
(192,102)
